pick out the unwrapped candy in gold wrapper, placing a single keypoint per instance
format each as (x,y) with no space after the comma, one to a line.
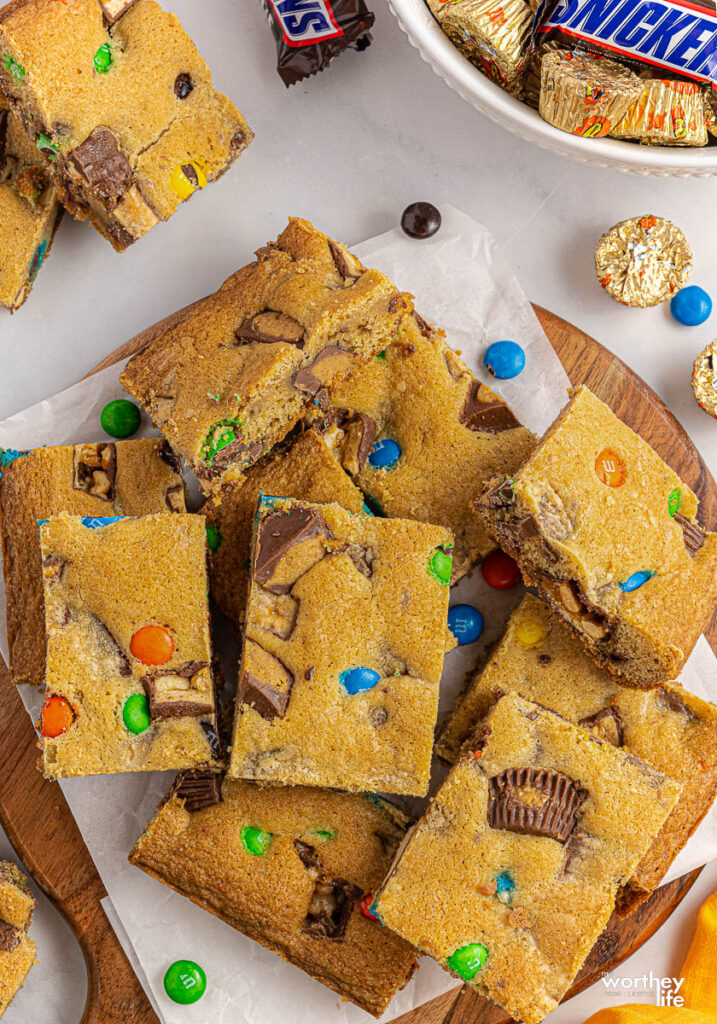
(643,261)
(667,113)
(493,34)
(585,94)
(704,379)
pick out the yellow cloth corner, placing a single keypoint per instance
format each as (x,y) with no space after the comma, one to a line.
(699,990)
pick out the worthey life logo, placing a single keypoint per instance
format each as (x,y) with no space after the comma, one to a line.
(665,990)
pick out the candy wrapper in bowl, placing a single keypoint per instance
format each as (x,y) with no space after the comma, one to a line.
(460,281)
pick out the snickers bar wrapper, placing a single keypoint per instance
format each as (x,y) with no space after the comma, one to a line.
(585,94)
(310,33)
(493,34)
(663,37)
(667,113)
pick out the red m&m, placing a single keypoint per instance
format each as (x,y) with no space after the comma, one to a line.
(500,571)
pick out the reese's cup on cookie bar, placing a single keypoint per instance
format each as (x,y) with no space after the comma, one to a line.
(643,261)
(667,113)
(585,94)
(310,33)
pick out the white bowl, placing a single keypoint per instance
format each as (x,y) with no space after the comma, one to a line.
(449,64)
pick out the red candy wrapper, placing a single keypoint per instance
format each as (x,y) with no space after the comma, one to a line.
(310,33)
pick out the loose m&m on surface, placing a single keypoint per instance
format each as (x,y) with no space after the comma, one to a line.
(504,359)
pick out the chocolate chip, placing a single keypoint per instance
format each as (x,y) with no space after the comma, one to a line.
(265,682)
(486,415)
(606,725)
(330,363)
(359,435)
(535,802)
(168,455)
(499,494)
(198,789)
(423,325)
(104,167)
(694,535)
(10,937)
(288,545)
(545,659)
(377,716)
(183,692)
(271,327)
(394,304)
(237,141)
(669,699)
(174,498)
(529,530)
(361,555)
(4,114)
(310,673)
(95,470)
(345,262)
(572,849)
(183,85)
(332,900)
(421,220)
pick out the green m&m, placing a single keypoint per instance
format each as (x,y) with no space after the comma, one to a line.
(673,502)
(16,70)
(120,418)
(214,537)
(440,565)
(185,982)
(103,59)
(135,714)
(468,960)
(255,841)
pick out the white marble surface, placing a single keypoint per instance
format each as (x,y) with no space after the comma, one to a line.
(349,150)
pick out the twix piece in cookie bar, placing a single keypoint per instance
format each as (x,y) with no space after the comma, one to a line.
(310,33)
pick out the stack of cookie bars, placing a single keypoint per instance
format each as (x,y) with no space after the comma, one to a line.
(353,470)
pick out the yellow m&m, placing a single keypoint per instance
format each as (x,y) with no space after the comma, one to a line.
(529,633)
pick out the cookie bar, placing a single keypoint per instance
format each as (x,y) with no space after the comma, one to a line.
(126,478)
(512,873)
(291,867)
(422,437)
(343,649)
(669,728)
(128,679)
(608,533)
(17,951)
(29,211)
(231,380)
(122,106)
(305,470)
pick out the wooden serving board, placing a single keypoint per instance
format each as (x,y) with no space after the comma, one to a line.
(40,826)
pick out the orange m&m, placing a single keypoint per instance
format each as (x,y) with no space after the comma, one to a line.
(56,716)
(152,645)
(610,468)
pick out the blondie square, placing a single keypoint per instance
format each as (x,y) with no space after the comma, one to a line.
(128,679)
(17,951)
(291,867)
(667,727)
(421,436)
(343,649)
(231,379)
(305,469)
(122,106)
(123,478)
(513,871)
(29,211)
(608,534)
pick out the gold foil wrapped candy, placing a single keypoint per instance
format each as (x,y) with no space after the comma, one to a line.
(667,113)
(704,379)
(493,34)
(584,94)
(643,261)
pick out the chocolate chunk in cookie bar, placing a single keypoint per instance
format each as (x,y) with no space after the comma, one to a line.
(609,535)
(122,107)
(17,950)
(304,469)
(29,210)
(123,478)
(513,871)
(667,727)
(343,649)
(128,678)
(232,378)
(421,436)
(294,869)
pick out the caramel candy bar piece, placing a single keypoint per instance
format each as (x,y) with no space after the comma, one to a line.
(584,94)
(128,672)
(537,819)
(288,544)
(265,683)
(592,520)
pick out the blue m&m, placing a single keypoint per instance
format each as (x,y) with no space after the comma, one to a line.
(355,680)
(635,581)
(384,454)
(465,623)
(691,306)
(504,359)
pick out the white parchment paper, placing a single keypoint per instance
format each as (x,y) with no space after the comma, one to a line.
(460,282)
